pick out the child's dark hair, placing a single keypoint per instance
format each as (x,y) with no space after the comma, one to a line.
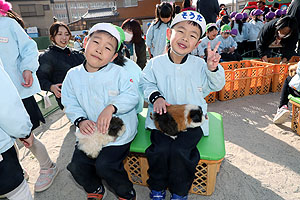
(177,10)
(276,5)
(134,26)
(163,10)
(12,14)
(225,20)
(186,4)
(287,21)
(210,29)
(54,29)
(120,60)
(240,24)
(256,18)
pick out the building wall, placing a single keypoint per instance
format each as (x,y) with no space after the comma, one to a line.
(77,8)
(35,13)
(144,10)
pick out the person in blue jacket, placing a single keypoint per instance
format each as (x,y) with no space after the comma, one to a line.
(19,56)
(91,93)
(14,123)
(178,78)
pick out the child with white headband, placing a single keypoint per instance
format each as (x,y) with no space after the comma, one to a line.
(91,93)
(179,78)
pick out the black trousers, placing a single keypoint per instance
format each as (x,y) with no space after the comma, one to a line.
(231,56)
(252,46)
(108,166)
(172,163)
(241,48)
(11,172)
(33,111)
(285,91)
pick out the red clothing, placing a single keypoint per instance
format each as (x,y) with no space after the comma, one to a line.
(188,8)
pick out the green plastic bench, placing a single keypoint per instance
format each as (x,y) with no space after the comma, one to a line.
(211,148)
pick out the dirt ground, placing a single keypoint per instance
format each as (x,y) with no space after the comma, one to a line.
(262,159)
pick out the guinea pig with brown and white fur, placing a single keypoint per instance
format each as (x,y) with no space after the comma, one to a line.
(178,118)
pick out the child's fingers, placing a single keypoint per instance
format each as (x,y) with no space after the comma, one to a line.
(165,108)
(90,127)
(217,46)
(208,47)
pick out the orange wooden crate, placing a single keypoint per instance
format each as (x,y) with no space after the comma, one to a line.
(295,125)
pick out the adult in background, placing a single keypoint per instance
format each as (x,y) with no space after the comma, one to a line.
(57,60)
(275,7)
(294,10)
(223,7)
(261,4)
(279,33)
(134,35)
(209,9)
(187,5)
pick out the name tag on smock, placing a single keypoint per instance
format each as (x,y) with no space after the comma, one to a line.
(3,40)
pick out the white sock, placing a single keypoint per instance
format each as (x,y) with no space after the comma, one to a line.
(22,192)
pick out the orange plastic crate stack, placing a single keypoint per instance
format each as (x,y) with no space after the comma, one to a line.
(245,78)
(280,71)
(211,98)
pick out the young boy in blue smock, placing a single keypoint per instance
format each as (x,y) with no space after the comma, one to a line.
(92,93)
(178,78)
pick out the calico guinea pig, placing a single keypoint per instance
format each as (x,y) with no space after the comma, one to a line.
(92,144)
(178,118)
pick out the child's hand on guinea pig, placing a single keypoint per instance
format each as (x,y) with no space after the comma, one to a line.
(160,106)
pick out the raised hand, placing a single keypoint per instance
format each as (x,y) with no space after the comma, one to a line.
(213,57)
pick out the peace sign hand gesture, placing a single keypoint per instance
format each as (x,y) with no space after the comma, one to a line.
(213,57)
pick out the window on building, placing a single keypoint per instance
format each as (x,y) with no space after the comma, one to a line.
(127,3)
(46,7)
(130,3)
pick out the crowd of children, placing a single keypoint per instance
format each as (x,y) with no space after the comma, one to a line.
(183,69)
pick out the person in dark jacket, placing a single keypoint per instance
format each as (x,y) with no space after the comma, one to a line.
(57,60)
(279,33)
(294,10)
(209,9)
(261,4)
(133,35)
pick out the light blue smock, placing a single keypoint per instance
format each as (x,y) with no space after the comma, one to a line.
(186,83)
(18,52)
(14,120)
(226,43)
(254,29)
(156,38)
(86,94)
(135,73)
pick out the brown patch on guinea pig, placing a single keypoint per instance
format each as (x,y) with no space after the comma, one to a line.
(177,112)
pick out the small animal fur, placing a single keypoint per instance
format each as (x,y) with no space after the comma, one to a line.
(92,144)
(292,70)
(178,118)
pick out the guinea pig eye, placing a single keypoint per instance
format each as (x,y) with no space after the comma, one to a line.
(196,115)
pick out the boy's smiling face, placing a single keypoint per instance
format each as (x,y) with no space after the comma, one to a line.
(184,37)
(100,50)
